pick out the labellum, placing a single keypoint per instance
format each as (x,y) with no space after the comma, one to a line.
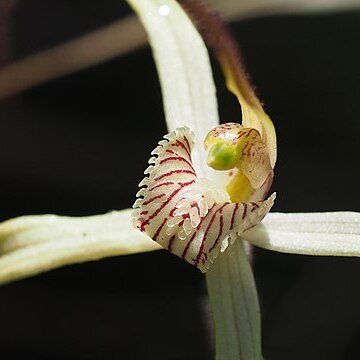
(194,217)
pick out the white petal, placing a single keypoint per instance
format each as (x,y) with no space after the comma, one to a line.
(33,244)
(332,233)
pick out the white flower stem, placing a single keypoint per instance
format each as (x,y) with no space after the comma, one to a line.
(235,307)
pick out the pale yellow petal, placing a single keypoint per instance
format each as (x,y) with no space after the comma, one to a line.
(33,244)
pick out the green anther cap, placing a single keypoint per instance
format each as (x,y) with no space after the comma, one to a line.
(233,146)
(222,156)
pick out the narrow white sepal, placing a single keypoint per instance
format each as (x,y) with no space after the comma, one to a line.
(184,69)
(33,244)
(328,234)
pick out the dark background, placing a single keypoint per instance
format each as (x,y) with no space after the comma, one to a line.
(79,145)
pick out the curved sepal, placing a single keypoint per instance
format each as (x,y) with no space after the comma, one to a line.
(30,245)
(190,216)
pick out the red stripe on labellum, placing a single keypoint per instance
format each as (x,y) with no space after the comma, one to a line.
(175,172)
(220,233)
(180,144)
(159,229)
(241,133)
(233,216)
(206,232)
(196,205)
(176,158)
(188,244)
(255,206)
(171,242)
(192,238)
(166,183)
(244,211)
(147,202)
(144,212)
(197,229)
(188,145)
(171,213)
(182,185)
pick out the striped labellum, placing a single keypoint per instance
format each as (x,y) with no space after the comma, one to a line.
(190,216)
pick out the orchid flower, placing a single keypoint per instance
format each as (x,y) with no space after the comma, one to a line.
(204,214)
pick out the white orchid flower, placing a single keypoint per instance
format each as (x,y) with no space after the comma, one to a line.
(193,217)
(185,205)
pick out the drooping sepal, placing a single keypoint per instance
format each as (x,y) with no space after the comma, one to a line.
(227,52)
(190,216)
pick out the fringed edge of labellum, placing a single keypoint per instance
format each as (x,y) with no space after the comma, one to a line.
(190,216)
